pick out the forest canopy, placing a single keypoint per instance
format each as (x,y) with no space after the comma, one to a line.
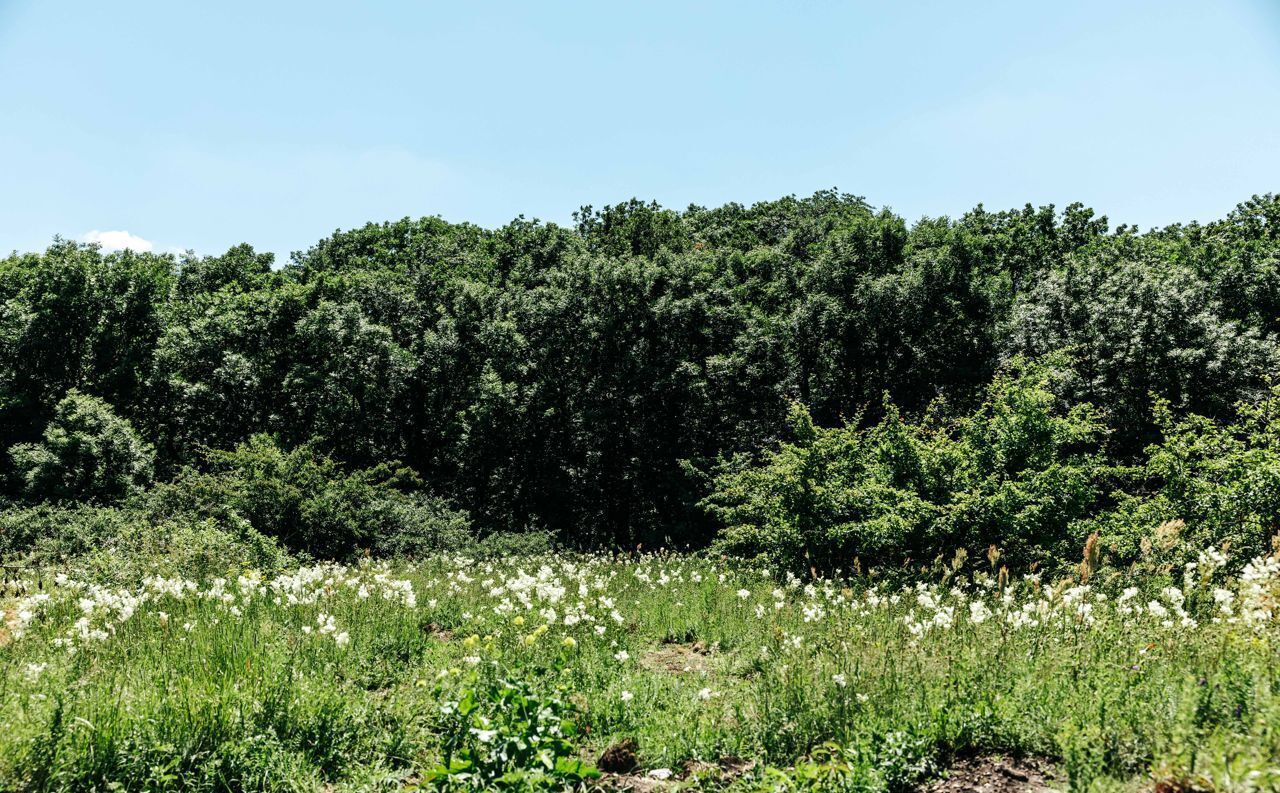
(1020,377)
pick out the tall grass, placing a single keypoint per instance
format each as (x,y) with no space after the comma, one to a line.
(334,677)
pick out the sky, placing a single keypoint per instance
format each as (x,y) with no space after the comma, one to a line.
(176,124)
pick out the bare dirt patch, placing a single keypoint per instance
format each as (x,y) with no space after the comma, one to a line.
(8,618)
(726,770)
(620,757)
(693,775)
(996,774)
(679,658)
(635,783)
(438,632)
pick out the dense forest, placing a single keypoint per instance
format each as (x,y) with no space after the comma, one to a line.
(813,380)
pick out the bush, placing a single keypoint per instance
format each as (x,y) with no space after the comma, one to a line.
(125,544)
(1029,470)
(514,543)
(829,497)
(1018,473)
(415,525)
(88,453)
(310,505)
(1208,485)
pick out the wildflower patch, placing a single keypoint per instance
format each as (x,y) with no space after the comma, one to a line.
(460,673)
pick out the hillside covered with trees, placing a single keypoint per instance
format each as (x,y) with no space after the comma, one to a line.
(814,380)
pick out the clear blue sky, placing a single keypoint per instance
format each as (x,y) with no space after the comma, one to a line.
(202,124)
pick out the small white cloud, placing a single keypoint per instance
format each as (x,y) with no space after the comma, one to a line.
(118,241)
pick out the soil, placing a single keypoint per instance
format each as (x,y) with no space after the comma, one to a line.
(635,783)
(693,775)
(439,633)
(620,757)
(678,658)
(996,774)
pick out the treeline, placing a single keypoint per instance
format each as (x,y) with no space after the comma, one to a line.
(607,381)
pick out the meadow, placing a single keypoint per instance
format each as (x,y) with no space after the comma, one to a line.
(372,520)
(670,671)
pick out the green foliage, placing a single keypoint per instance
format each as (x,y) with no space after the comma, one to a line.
(218,365)
(514,544)
(1138,328)
(1031,467)
(1016,473)
(74,318)
(500,733)
(895,762)
(1208,485)
(87,452)
(308,503)
(829,767)
(585,380)
(375,677)
(127,543)
(348,373)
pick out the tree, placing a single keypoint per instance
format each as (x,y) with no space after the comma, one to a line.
(1135,329)
(587,378)
(346,386)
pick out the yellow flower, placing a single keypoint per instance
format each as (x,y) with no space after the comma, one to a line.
(569,642)
(471,641)
(519,620)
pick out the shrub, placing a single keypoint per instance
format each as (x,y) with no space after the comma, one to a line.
(1018,472)
(309,504)
(87,452)
(514,543)
(126,543)
(1208,484)
(416,524)
(829,496)
(1028,470)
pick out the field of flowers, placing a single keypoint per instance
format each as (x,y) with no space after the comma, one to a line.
(522,672)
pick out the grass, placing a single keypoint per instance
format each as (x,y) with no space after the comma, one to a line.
(376,677)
